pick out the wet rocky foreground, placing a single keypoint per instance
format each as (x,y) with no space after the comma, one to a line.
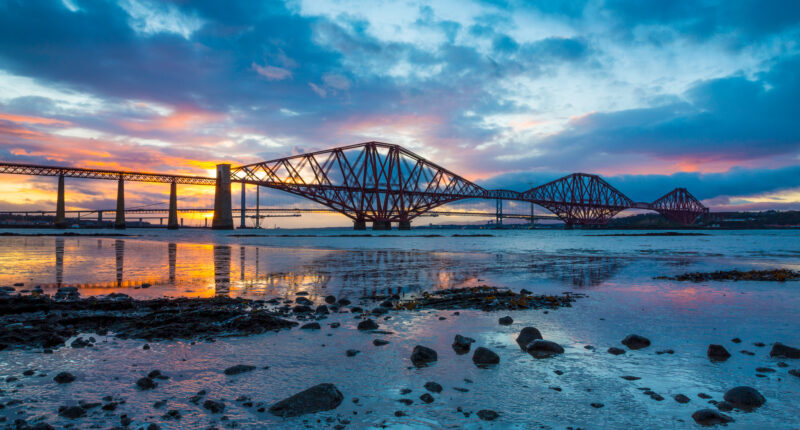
(40,324)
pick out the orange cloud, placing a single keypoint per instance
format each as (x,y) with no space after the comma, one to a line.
(180,119)
(31,119)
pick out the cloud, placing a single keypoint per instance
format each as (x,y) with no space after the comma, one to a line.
(272,72)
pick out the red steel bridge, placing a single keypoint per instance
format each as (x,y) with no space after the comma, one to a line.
(380,183)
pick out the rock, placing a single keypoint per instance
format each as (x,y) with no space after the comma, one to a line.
(736,340)
(506,320)
(214,406)
(544,348)
(461,344)
(744,397)
(680,398)
(399,413)
(80,343)
(311,326)
(67,294)
(146,383)
(156,374)
(368,324)
(597,405)
(484,357)
(784,351)
(528,335)
(630,378)
(344,302)
(710,417)
(487,415)
(718,353)
(427,398)
(724,406)
(330,300)
(352,352)
(433,387)
(616,351)
(703,396)
(334,325)
(71,412)
(322,397)
(795,372)
(634,341)
(322,309)
(422,356)
(302,309)
(303,301)
(64,378)
(239,368)
(172,414)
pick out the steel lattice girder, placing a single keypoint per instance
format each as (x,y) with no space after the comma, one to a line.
(580,198)
(679,205)
(372,181)
(76,172)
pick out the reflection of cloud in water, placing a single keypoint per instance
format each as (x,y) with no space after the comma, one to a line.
(576,270)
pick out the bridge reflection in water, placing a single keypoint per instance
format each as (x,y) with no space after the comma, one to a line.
(150,269)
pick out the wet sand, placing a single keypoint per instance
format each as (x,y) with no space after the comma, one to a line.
(621,298)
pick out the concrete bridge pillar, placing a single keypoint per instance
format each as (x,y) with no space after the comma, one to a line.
(243,206)
(61,216)
(172,220)
(99,217)
(223,214)
(359,224)
(381,225)
(119,222)
(404,225)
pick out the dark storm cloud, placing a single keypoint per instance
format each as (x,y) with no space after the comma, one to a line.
(727,119)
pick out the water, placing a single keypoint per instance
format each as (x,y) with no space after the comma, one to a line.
(616,273)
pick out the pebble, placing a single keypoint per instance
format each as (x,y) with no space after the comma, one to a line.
(506,320)
(710,417)
(487,415)
(544,349)
(717,353)
(321,397)
(635,341)
(239,368)
(367,324)
(433,387)
(64,378)
(427,398)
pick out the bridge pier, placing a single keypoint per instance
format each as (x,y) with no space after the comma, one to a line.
(381,225)
(359,224)
(99,217)
(243,206)
(172,220)
(498,214)
(119,222)
(404,225)
(61,215)
(223,213)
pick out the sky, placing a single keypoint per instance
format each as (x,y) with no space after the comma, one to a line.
(651,95)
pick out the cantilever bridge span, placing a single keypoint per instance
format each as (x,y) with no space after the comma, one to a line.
(383,184)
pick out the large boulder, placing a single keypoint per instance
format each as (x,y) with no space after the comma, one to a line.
(322,397)
(710,417)
(484,357)
(718,353)
(461,344)
(634,341)
(544,348)
(744,398)
(422,356)
(785,351)
(528,335)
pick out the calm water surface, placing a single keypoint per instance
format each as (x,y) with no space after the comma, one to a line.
(615,272)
